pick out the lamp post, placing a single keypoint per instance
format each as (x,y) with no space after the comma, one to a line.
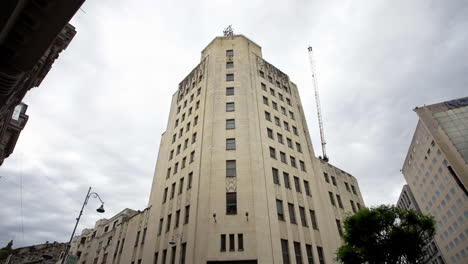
(99,210)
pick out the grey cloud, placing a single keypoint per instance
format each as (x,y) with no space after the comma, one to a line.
(97,118)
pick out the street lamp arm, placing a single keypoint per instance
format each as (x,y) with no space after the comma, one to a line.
(95,195)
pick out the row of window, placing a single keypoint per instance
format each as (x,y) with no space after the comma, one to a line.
(333,181)
(287,182)
(275,107)
(173,255)
(278,123)
(283,159)
(176,220)
(270,79)
(280,139)
(272,92)
(179,108)
(340,204)
(181,187)
(232,244)
(298,253)
(179,147)
(187,129)
(186,90)
(183,164)
(292,214)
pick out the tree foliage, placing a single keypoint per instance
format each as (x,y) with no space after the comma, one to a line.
(386,234)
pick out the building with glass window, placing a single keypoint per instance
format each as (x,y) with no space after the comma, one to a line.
(408,202)
(236,179)
(436,171)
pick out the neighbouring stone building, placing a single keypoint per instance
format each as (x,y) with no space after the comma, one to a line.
(236,179)
(32,35)
(436,170)
(47,253)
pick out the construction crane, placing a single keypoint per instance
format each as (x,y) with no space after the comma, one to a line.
(317,102)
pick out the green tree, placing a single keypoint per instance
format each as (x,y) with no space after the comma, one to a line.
(6,251)
(386,234)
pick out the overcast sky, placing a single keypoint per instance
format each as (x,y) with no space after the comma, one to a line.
(97,118)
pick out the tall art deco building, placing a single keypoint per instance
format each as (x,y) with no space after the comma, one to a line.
(236,179)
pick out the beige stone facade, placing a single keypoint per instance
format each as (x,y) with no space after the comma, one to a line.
(436,171)
(236,180)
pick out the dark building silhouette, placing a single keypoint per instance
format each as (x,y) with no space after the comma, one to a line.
(32,35)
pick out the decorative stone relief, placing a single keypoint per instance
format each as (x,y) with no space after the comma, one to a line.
(231,184)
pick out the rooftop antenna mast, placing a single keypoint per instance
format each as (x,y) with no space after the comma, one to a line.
(317,102)
(228,32)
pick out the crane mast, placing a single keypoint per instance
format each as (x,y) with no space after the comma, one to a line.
(317,102)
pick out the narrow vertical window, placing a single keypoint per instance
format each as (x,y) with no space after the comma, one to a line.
(164,256)
(223,243)
(182,253)
(173,190)
(160,226)
(189,184)
(231,242)
(144,236)
(165,195)
(340,204)
(293,161)
(297,252)
(270,133)
(279,209)
(275,176)
(333,180)
(302,165)
(137,238)
(292,213)
(307,188)
(187,212)
(325,175)
(353,207)
(338,225)
(320,255)
(313,219)
(272,153)
(240,242)
(310,257)
(231,203)
(177,219)
(297,184)
(168,224)
(287,183)
(181,185)
(230,168)
(192,156)
(267,116)
(173,254)
(285,251)
(230,144)
(303,216)
(283,157)
(332,199)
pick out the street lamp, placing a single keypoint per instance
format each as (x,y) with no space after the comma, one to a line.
(99,210)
